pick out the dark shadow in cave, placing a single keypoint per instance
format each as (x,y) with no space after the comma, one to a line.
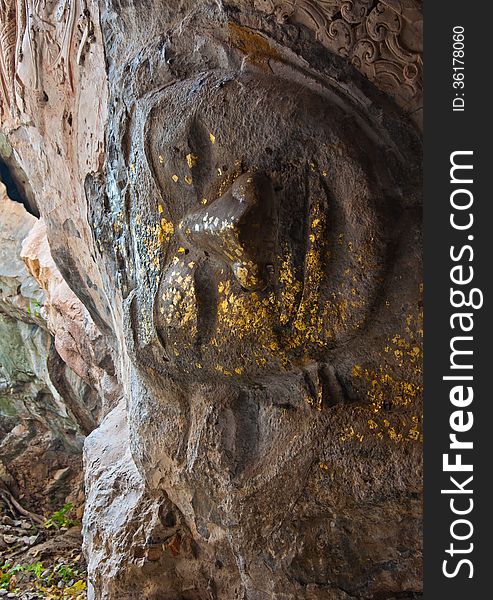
(18,188)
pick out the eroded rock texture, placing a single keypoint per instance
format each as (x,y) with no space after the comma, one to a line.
(41,429)
(232,191)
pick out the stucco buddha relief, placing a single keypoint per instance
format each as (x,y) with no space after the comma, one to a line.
(267,237)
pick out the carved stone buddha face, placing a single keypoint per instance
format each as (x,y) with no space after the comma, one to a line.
(287,278)
(277,204)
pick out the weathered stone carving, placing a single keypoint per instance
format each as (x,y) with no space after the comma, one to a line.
(301,237)
(383,39)
(266,220)
(12,24)
(33,34)
(267,442)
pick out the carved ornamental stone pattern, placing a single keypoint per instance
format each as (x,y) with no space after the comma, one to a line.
(382,39)
(39,38)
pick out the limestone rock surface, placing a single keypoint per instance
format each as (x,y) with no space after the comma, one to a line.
(40,440)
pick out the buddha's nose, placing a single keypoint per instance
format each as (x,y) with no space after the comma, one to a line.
(238,229)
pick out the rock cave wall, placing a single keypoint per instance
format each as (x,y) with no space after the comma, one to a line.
(214,279)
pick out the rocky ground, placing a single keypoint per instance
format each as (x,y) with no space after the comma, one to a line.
(40,558)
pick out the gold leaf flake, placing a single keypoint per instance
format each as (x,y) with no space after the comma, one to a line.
(167,227)
(191,160)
